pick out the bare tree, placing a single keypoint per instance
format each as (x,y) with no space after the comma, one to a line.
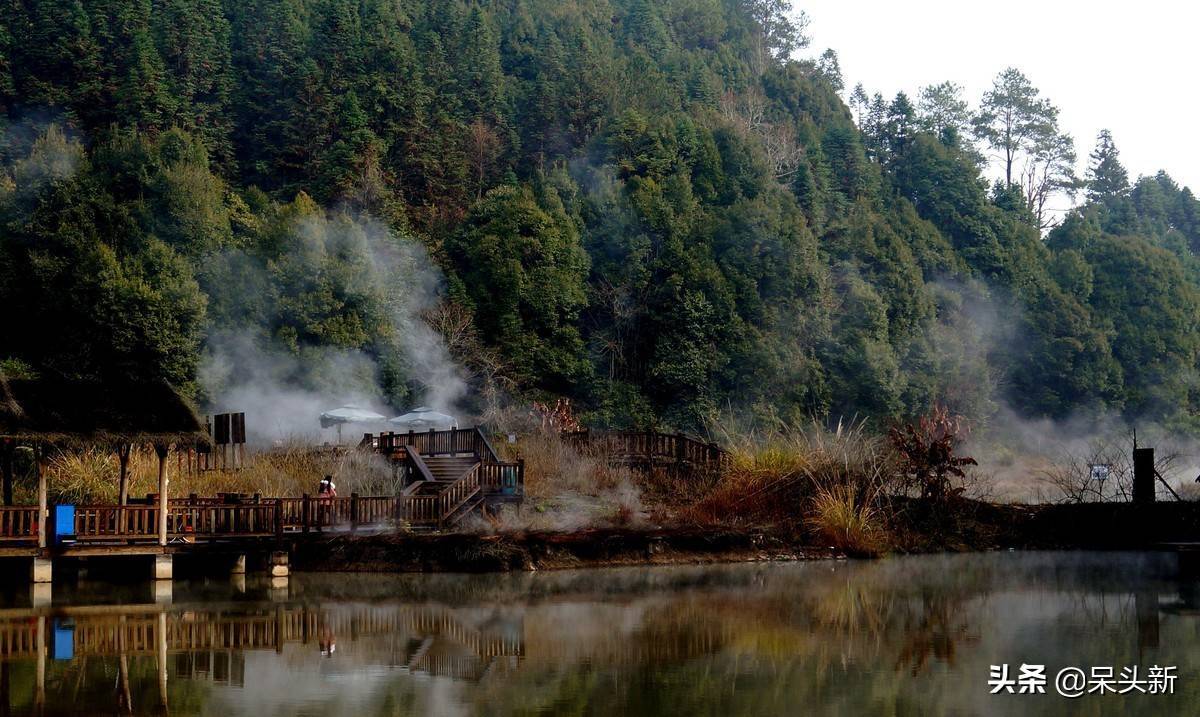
(748,113)
(1049,170)
(1102,471)
(483,146)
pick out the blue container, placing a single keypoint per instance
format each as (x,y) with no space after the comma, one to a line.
(62,640)
(62,518)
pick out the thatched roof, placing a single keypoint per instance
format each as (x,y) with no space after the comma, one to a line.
(108,413)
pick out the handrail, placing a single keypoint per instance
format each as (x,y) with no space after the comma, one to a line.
(418,462)
(434,443)
(458,493)
(646,444)
(481,437)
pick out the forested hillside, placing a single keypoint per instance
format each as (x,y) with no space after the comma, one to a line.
(650,207)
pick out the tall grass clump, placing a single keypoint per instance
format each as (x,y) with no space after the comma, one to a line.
(829,482)
(571,487)
(91,475)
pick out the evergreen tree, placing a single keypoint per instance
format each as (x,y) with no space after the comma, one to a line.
(1106,176)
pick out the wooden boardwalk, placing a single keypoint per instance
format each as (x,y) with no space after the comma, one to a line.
(449,474)
(650,450)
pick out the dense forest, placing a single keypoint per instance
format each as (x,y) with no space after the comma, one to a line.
(658,209)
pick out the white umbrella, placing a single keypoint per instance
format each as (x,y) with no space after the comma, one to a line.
(348,414)
(422,418)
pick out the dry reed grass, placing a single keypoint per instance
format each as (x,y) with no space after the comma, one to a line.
(570,488)
(92,475)
(829,482)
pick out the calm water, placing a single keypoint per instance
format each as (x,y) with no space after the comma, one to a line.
(906,636)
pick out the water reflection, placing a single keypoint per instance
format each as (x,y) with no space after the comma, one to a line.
(902,636)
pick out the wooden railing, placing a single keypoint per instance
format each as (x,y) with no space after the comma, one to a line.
(109,522)
(505,479)
(208,519)
(650,449)
(18,523)
(458,493)
(456,441)
(205,519)
(417,470)
(213,521)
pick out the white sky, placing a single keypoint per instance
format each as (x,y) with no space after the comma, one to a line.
(1128,66)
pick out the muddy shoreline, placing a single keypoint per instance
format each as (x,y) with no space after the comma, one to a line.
(972,526)
(540,550)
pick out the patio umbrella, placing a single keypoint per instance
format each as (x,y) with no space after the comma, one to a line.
(348,414)
(422,418)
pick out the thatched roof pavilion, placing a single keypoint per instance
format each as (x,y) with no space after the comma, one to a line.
(115,415)
(107,414)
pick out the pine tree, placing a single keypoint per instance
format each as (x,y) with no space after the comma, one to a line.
(1106,177)
(829,68)
(943,112)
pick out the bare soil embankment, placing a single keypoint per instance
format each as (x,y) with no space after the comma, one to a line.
(916,528)
(537,550)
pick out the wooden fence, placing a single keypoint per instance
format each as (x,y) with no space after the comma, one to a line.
(649,450)
(208,520)
(456,441)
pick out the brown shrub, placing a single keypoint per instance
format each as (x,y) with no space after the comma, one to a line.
(835,478)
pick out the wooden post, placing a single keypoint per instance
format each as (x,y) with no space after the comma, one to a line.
(39,457)
(353,511)
(279,519)
(1143,475)
(123,451)
(162,451)
(305,514)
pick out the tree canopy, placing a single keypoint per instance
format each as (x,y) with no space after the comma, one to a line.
(662,210)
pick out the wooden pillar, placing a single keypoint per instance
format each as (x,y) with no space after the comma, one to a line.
(39,457)
(353,511)
(161,450)
(123,451)
(306,511)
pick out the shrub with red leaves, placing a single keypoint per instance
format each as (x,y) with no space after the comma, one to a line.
(926,449)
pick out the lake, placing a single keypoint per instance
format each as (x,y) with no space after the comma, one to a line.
(901,636)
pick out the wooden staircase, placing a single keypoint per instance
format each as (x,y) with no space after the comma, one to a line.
(449,474)
(450,468)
